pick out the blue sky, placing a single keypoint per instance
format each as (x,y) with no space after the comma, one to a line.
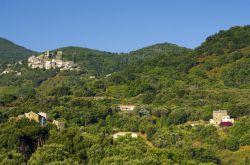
(117,25)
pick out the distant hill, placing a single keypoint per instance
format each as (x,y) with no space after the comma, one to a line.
(160,48)
(225,41)
(158,54)
(157,51)
(101,62)
(225,57)
(94,61)
(10,52)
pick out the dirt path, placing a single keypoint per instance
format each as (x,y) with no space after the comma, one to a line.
(144,137)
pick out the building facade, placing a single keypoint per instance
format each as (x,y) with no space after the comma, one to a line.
(126,108)
(220,116)
(120,134)
(33,116)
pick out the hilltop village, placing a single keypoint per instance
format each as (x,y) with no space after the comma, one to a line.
(50,60)
(47,60)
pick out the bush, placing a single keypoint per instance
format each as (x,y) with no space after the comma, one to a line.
(245,139)
(60,91)
(232,143)
(177,117)
(8,98)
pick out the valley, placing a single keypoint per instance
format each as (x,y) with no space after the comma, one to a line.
(163,93)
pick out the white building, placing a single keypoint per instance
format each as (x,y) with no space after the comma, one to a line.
(120,134)
(126,108)
(43,114)
(6,71)
(59,63)
(220,116)
(47,65)
(227,119)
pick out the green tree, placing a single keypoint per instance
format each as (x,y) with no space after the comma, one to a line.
(49,153)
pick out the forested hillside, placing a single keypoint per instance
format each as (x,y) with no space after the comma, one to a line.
(93,61)
(11,52)
(174,91)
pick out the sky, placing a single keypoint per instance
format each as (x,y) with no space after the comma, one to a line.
(117,25)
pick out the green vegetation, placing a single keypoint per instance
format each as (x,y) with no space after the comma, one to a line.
(225,41)
(10,52)
(170,86)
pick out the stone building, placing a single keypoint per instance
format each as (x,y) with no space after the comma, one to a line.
(219,117)
(43,114)
(43,118)
(6,71)
(35,62)
(59,63)
(126,108)
(46,53)
(32,116)
(40,117)
(120,134)
(48,65)
(59,55)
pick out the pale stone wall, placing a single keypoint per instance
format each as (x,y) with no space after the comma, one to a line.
(126,107)
(32,116)
(217,116)
(120,134)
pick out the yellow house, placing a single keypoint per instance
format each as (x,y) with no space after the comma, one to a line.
(32,116)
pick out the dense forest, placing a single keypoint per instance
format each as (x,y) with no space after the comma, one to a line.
(174,90)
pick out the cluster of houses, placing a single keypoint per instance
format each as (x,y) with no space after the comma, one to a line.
(42,118)
(220,118)
(10,69)
(49,60)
